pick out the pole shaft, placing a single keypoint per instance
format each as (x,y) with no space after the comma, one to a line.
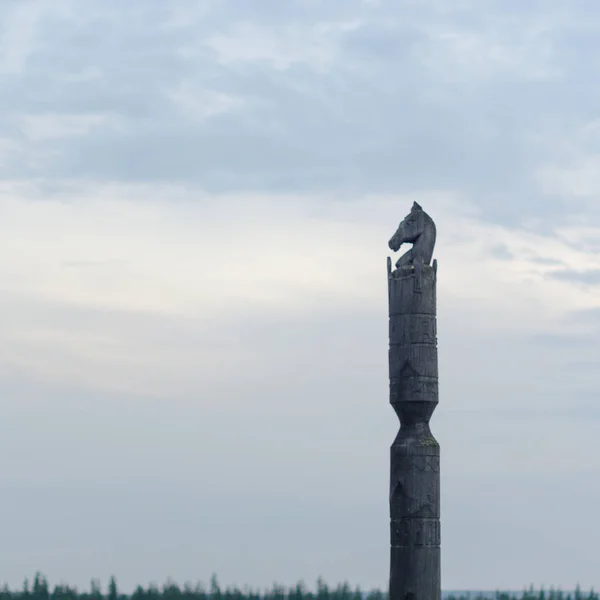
(415,572)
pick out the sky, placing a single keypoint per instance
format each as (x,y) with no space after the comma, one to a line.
(195,204)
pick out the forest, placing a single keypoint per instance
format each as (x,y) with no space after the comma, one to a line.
(39,589)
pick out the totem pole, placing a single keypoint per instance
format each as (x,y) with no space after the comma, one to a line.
(415,454)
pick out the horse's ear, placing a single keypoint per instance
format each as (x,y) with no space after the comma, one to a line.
(416,206)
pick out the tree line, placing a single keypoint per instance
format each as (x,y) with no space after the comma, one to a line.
(39,589)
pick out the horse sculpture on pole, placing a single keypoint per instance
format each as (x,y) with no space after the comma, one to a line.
(415,533)
(418,229)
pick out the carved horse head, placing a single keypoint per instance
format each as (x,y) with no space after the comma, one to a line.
(416,228)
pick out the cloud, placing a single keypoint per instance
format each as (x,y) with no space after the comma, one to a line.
(18,35)
(490,47)
(579,179)
(202,104)
(51,126)
(590,277)
(194,209)
(120,253)
(282,47)
(301,90)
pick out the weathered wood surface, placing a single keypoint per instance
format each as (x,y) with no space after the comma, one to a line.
(415,454)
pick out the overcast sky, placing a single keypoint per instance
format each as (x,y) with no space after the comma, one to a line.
(195,203)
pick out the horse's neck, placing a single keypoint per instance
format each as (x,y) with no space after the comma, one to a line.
(426,240)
